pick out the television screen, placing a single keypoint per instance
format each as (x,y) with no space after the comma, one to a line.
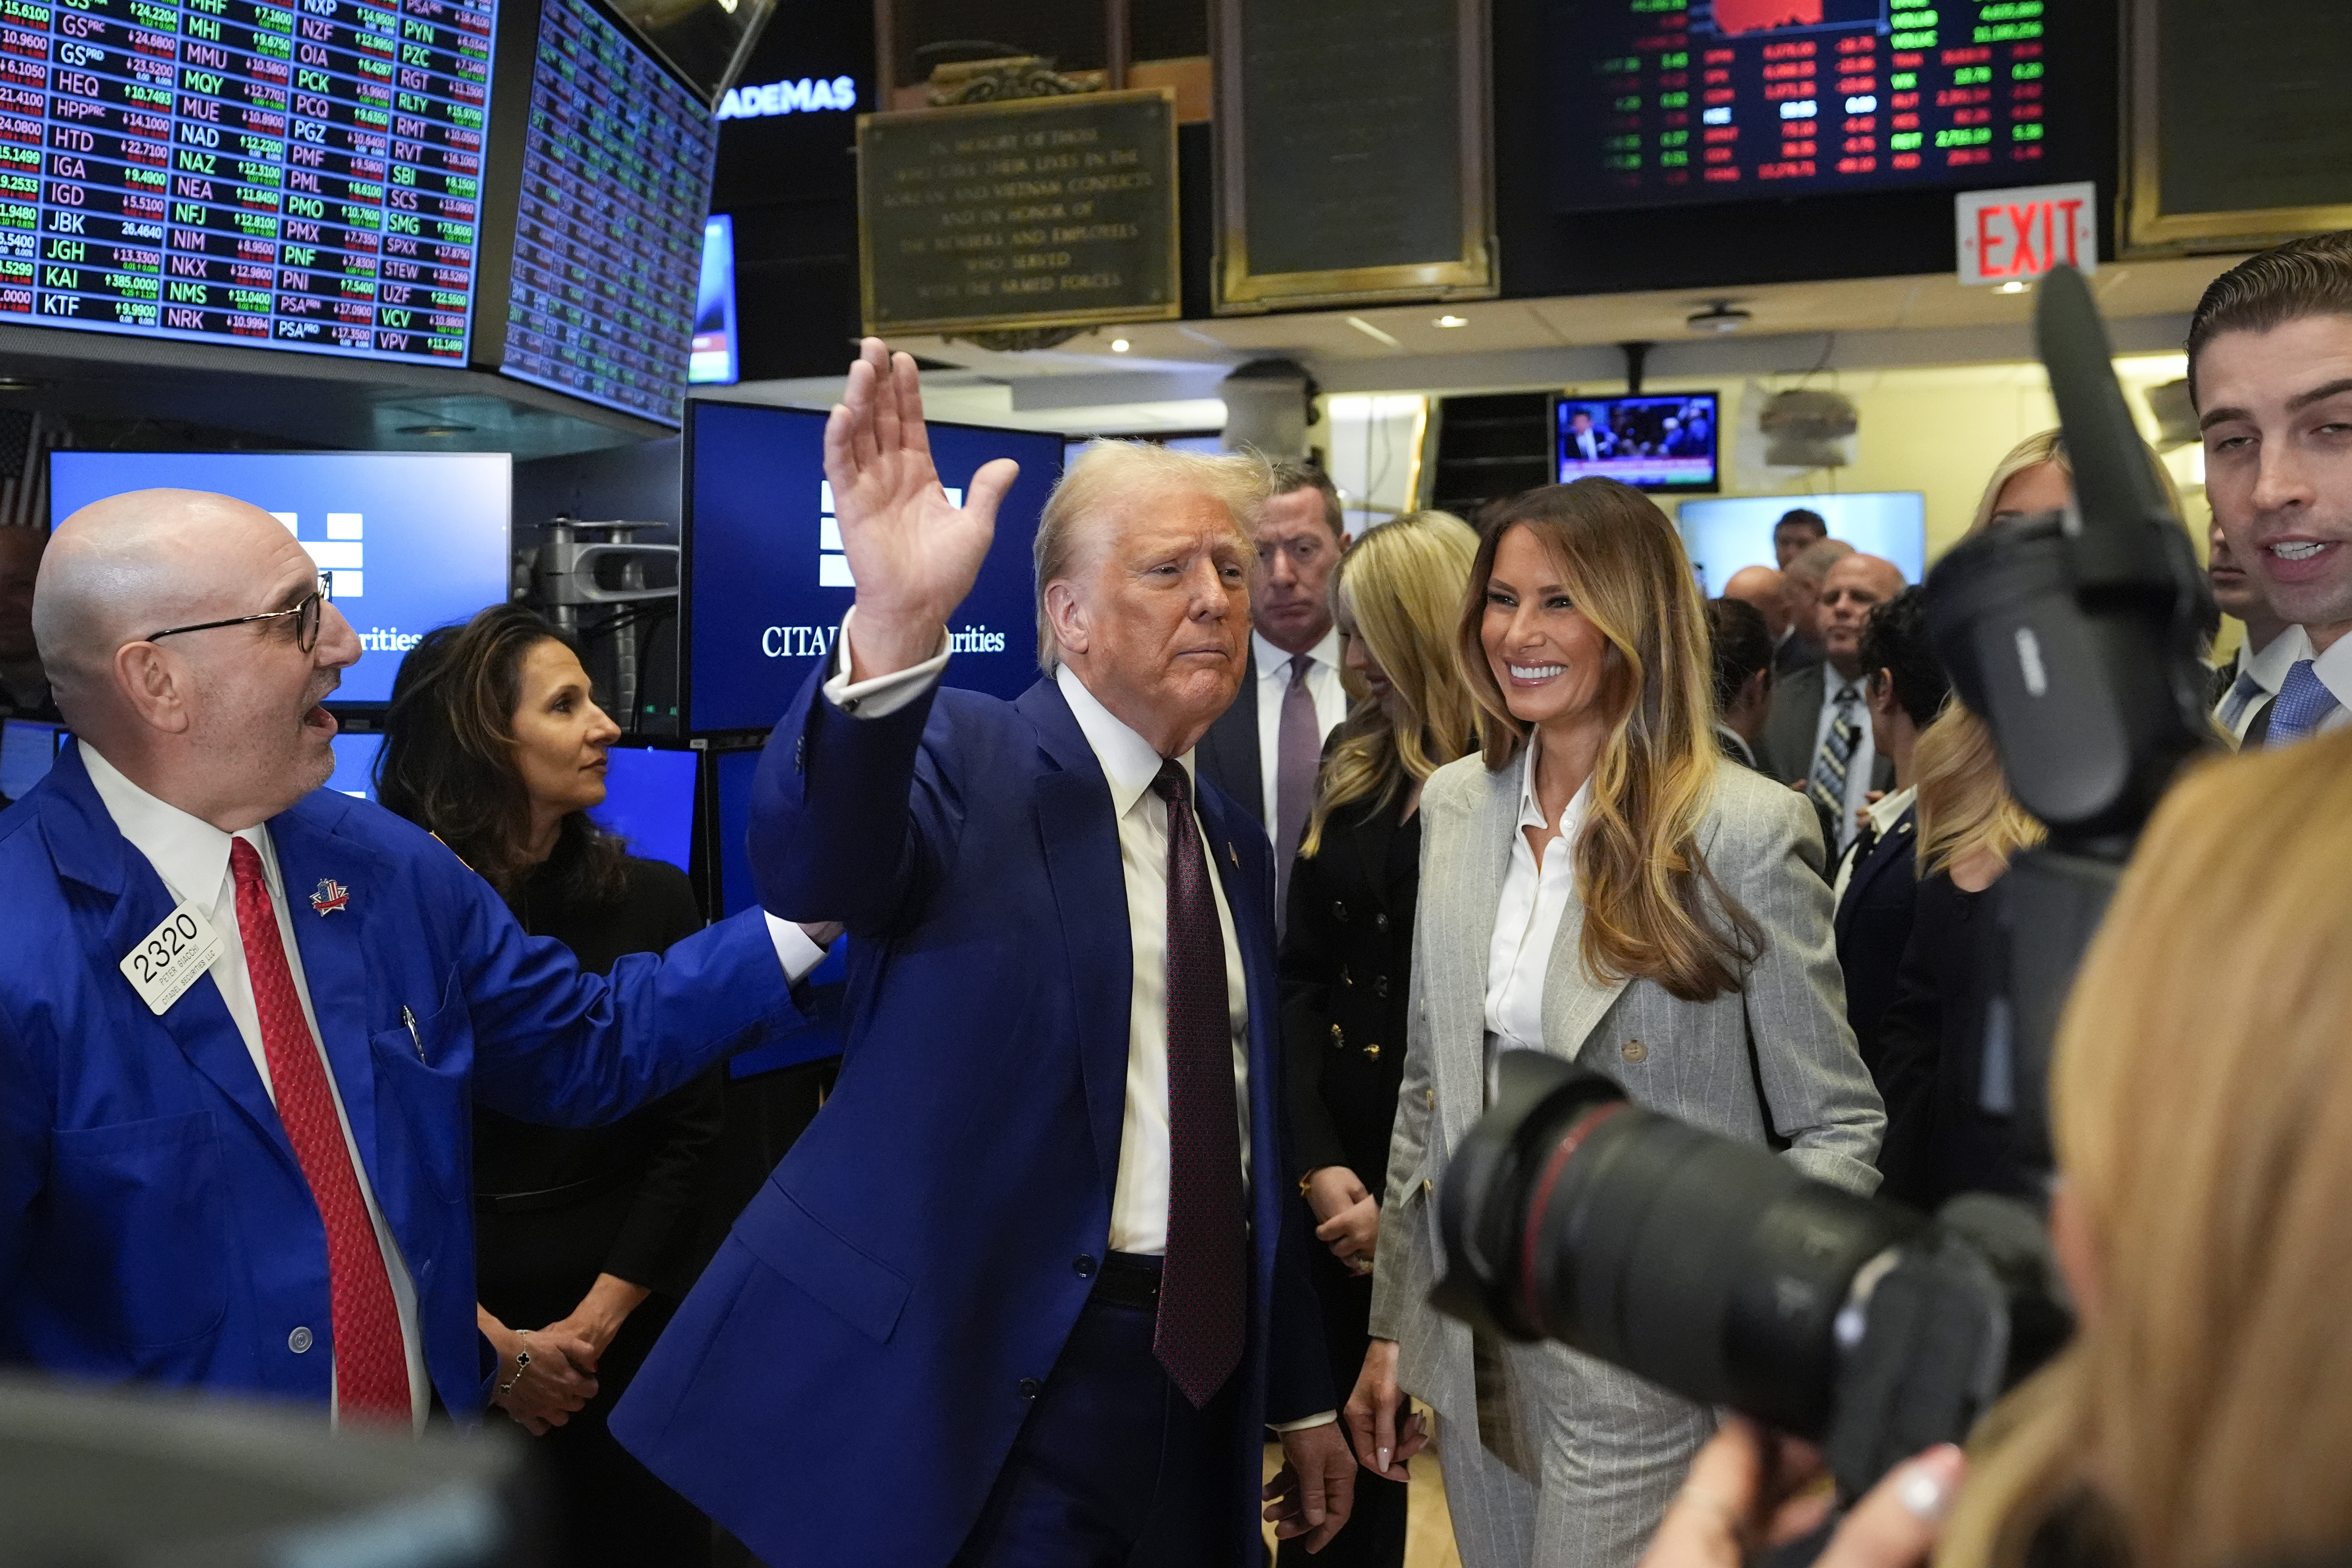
(1722,536)
(1656,443)
(292,178)
(1736,99)
(767,583)
(602,301)
(649,800)
(705,41)
(411,540)
(712,360)
(27,747)
(355,756)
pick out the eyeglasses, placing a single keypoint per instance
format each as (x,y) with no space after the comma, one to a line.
(306,616)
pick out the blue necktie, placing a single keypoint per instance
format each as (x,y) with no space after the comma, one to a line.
(2303,702)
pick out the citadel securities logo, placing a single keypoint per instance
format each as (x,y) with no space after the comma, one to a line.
(833,572)
(341,555)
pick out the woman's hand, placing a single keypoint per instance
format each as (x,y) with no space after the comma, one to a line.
(543,1391)
(1383,1442)
(1348,1218)
(598,1317)
(1750,1491)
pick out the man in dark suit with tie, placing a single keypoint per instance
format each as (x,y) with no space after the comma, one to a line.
(1031,1289)
(1587,442)
(1818,733)
(1877,882)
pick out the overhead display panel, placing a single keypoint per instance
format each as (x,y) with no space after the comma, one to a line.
(232,171)
(608,234)
(1710,101)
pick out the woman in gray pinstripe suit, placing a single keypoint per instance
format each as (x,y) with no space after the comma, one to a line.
(1597,884)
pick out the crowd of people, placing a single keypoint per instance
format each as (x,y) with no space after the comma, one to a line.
(1173,986)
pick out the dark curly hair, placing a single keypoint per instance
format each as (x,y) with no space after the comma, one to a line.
(447,762)
(1894,640)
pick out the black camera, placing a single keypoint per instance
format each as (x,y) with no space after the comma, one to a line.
(1716,1269)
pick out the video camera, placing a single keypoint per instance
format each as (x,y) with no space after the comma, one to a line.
(1716,1269)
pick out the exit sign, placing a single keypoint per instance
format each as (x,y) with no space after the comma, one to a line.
(2015,237)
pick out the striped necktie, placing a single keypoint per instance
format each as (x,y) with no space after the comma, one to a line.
(1826,783)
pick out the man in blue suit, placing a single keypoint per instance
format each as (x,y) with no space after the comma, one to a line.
(1026,1292)
(243,1019)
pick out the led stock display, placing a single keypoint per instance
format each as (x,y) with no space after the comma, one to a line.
(608,239)
(1695,100)
(304,176)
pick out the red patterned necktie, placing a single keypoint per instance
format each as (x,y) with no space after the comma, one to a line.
(1198,1336)
(371,1365)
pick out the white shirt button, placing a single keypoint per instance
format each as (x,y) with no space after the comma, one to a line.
(298,1340)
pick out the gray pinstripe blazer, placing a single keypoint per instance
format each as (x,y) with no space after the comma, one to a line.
(1700,1062)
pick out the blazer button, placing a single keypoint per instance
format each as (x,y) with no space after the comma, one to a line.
(1372,1053)
(1339,1040)
(1381,987)
(1380,923)
(1425,1187)
(1635,1051)
(1083,1267)
(1428,1098)
(1031,1388)
(1340,910)
(298,1340)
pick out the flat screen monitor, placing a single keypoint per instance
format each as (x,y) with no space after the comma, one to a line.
(1740,99)
(733,891)
(767,581)
(1722,536)
(236,172)
(28,748)
(649,800)
(355,756)
(411,540)
(1653,443)
(608,247)
(712,360)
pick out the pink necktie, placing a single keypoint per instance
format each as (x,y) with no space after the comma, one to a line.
(1298,754)
(371,1365)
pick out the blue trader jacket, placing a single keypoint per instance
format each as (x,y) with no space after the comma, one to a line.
(845,1382)
(153,1223)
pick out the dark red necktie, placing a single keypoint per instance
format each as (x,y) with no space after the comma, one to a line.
(371,1365)
(1205,1279)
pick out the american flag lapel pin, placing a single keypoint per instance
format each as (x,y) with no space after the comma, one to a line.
(330,896)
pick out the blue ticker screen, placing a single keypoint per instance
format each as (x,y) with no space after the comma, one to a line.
(770,583)
(411,540)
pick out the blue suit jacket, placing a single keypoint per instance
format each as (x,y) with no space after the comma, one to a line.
(874,1327)
(153,1222)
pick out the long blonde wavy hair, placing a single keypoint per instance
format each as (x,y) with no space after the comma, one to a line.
(2201,1107)
(1401,588)
(1653,909)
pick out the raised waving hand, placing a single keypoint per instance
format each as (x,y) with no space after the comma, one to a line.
(914,553)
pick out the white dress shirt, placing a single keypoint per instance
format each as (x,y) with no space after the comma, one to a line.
(2334,669)
(1883,812)
(1323,684)
(1527,917)
(2268,668)
(1866,751)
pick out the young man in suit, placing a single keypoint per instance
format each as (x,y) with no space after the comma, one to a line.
(1878,881)
(2270,368)
(1264,750)
(2251,677)
(1819,734)
(1799,529)
(245,1019)
(1036,1277)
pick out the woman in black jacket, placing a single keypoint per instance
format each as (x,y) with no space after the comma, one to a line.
(1348,951)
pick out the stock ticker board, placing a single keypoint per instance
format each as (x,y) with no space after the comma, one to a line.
(604,271)
(1698,101)
(300,178)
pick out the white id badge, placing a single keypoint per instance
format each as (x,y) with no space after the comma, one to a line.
(168,959)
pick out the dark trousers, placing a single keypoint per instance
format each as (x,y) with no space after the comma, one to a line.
(1114,1468)
(1373,1536)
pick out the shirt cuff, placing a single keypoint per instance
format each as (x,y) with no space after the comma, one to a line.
(1323,1420)
(884,694)
(794,950)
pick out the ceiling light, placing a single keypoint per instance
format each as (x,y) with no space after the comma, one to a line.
(1119,345)
(22,383)
(1374,332)
(1720,316)
(1453,320)
(2013,287)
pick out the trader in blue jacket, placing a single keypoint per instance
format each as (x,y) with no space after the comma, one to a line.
(1026,1293)
(243,1019)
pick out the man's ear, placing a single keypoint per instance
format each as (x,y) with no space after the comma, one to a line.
(1067,615)
(1757,689)
(154,685)
(1879,692)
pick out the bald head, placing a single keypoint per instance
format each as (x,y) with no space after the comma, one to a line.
(223,722)
(1768,590)
(1856,585)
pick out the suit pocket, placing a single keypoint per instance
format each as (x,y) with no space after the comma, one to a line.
(138,1218)
(424,1080)
(866,1295)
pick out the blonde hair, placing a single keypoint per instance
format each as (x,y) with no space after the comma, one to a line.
(2202,1103)
(1644,885)
(1401,587)
(1964,805)
(1107,474)
(2050,446)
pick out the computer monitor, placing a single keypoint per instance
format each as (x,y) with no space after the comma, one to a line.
(28,748)
(1722,536)
(649,800)
(411,540)
(1666,442)
(766,579)
(732,891)
(356,757)
(712,360)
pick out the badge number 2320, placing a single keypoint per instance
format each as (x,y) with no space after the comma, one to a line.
(168,959)
(169,940)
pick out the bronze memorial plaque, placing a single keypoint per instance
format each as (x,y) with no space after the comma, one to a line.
(1041,212)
